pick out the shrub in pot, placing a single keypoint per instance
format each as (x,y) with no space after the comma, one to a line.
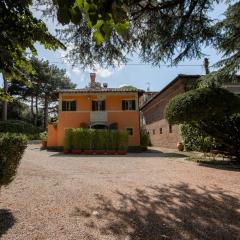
(87,143)
(44,138)
(100,141)
(77,140)
(12,147)
(123,142)
(68,140)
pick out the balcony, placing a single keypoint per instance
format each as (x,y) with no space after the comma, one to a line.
(98,116)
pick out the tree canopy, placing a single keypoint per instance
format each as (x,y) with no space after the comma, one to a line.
(20,30)
(201,104)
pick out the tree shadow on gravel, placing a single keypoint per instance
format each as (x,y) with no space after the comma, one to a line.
(7,220)
(171,212)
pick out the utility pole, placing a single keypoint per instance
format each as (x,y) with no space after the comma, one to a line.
(206,65)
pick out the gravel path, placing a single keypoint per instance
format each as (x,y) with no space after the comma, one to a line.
(147,196)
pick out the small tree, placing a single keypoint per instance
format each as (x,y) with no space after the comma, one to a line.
(213,111)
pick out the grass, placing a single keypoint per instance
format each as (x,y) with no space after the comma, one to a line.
(204,161)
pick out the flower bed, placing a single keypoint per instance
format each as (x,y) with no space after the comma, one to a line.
(91,141)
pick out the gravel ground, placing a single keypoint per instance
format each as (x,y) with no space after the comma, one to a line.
(146,196)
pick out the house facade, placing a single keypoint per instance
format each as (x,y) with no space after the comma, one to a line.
(97,107)
(161,133)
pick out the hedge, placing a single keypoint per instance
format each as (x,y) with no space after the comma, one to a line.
(93,139)
(17,126)
(12,147)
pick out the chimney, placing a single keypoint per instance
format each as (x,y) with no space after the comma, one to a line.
(206,65)
(93,80)
(105,85)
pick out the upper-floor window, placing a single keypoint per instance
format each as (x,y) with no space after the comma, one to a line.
(128,105)
(69,105)
(98,105)
(130,131)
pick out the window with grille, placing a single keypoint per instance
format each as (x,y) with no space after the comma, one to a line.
(69,105)
(128,105)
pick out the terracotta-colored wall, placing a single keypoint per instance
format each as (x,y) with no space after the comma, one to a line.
(73,119)
(127,120)
(52,136)
(154,118)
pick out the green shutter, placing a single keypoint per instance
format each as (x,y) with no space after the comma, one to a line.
(123,104)
(133,105)
(64,105)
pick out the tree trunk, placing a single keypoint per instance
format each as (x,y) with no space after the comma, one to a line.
(36,107)
(32,113)
(45,111)
(5,104)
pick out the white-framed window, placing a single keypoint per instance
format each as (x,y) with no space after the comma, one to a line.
(128,105)
(69,105)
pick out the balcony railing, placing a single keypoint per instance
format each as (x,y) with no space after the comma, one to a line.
(98,116)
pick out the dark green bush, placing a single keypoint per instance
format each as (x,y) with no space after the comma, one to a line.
(196,140)
(17,126)
(12,147)
(144,139)
(89,139)
(201,104)
(68,138)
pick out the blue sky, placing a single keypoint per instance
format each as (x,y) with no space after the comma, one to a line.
(136,75)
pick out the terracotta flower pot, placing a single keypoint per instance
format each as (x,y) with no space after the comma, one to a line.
(44,143)
(67,151)
(111,152)
(76,151)
(99,152)
(122,152)
(88,152)
(180,146)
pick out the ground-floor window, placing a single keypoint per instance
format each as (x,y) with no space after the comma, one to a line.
(160,130)
(130,131)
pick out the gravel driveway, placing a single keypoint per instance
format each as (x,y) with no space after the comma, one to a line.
(146,196)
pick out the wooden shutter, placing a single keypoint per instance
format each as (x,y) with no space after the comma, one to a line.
(64,106)
(103,105)
(73,106)
(133,105)
(123,105)
(93,106)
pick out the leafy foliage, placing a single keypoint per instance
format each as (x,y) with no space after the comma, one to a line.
(95,139)
(17,126)
(105,32)
(20,30)
(145,138)
(196,140)
(201,104)
(43,136)
(12,147)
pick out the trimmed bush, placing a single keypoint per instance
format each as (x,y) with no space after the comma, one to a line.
(100,139)
(195,140)
(12,147)
(68,139)
(123,140)
(201,104)
(17,126)
(89,139)
(78,138)
(144,139)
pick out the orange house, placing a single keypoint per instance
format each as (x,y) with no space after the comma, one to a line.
(97,107)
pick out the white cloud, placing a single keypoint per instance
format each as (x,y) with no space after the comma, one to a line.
(123,85)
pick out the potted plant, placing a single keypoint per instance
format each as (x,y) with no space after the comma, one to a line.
(77,141)
(112,142)
(68,140)
(44,138)
(123,142)
(180,146)
(87,141)
(100,141)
